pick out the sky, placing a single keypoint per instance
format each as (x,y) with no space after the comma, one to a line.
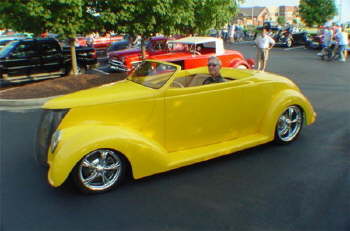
(249,3)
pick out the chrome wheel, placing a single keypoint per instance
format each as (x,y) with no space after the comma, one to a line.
(242,67)
(289,124)
(100,170)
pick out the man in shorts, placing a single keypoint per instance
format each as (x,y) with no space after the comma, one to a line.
(263,44)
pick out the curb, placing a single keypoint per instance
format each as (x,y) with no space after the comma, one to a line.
(27,103)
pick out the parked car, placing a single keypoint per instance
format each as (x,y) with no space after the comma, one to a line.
(99,42)
(162,118)
(35,59)
(117,46)
(104,42)
(287,37)
(184,52)
(4,40)
(126,59)
(315,42)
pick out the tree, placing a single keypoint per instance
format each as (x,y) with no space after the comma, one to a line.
(316,12)
(281,20)
(149,17)
(212,14)
(145,18)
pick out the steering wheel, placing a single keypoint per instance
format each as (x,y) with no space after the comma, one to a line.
(178,84)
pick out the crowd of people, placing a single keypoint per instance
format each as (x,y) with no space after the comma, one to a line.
(334,42)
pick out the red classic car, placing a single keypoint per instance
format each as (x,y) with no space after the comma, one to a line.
(124,60)
(104,42)
(192,52)
(189,52)
(100,42)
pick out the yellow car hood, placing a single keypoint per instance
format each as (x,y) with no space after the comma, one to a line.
(109,93)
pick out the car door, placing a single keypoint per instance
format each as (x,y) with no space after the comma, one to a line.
(51,58)
(203,115)
(23,61)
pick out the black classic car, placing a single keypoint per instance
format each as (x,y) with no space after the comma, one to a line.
(286,37)
(35,59)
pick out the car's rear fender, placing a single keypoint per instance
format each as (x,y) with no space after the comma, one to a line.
(238,62)
(145,156)
(279,103)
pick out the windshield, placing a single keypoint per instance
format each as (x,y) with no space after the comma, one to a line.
(152,74)
(6,49)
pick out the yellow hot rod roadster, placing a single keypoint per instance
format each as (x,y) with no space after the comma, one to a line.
(161,118)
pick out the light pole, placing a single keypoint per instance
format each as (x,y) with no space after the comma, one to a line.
(340,10)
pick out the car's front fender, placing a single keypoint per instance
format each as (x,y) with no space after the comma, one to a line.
(279,103)
(145,156)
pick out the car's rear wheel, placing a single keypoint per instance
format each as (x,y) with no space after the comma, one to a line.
(99,171)
(289,125)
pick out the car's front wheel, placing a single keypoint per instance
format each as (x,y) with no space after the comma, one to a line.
(289,125)
(82,70)
(289,42)
(99,171)
(242,67)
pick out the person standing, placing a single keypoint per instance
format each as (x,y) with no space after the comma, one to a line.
(231,33)
(341,38)
(263,44)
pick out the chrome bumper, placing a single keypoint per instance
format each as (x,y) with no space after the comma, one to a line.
(117,65)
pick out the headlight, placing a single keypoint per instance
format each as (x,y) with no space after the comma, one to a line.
(48,125)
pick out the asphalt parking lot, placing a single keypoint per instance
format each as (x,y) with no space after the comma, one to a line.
(297,187)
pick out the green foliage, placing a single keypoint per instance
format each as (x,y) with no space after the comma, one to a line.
(148,17)
(135,17)
(317,12)
(212,14)
(63,17)
(281,20)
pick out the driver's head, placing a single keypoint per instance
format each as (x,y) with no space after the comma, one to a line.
(214,66)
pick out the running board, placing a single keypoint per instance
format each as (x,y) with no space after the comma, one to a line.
(24,78)
(195,155)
